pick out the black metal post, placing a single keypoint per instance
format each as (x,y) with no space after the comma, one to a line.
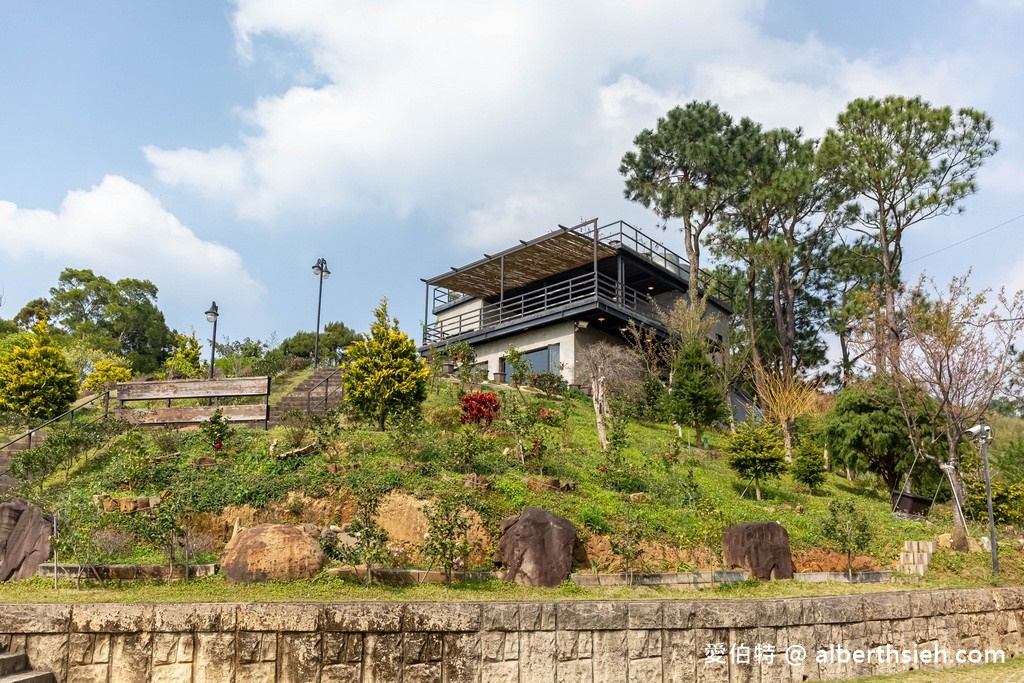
(321,271)
(988,498)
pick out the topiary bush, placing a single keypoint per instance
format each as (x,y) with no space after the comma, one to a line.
(35,380)
(106,372)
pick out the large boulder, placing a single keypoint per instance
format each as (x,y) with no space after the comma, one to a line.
(536,548)
(271,552)
(761,547)
(24,539)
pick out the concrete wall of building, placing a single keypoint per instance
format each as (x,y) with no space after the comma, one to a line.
(586,641)
(561,333)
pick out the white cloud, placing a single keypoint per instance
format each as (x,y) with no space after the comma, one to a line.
(119,230)
(482,113)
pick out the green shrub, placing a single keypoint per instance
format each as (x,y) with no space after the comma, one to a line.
(551,383)
(809,466)
(106,372)
(36,380)
(1007,501)
(446,544)
(756,452)
(848,528)
(591,518)
(216,429)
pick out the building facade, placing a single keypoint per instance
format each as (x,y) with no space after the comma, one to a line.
(554,295)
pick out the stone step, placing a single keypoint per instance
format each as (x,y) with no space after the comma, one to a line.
(915,558)
(920,546)
(11,662)
(914,569)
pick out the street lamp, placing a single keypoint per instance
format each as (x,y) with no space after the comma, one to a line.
(321,271)
(211,316)
(982,434)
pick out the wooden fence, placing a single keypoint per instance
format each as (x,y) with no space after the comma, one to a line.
(212,390)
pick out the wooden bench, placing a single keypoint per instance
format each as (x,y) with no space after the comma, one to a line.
(173,390)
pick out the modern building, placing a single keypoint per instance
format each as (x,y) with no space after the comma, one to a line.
(558,293)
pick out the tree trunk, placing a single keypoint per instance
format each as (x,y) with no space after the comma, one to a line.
(787,438)
(698,435)
(380,422)
(600,408)
(757,488)
(849,474)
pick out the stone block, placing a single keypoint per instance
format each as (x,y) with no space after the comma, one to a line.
(80,647)
(926,603)
(724,614)
(611,662)
(501,618)
(645,670)
(462,657)
(422,647)
(342,648)
(837,610)
(678,614)
(47,652)
(537,657)
(341,673)
(171,673)
(678,656)
(537,616)
(112,618)
(971,601)
(165,648)
(442,617)
(131,656)
(294,618)
(208,617)
(257,672)
(643,643)
(576,671)
(645,615)
(886,606)
(422,673)
(592,616)
(382,657)
(214,660)
(572,645)
(500,672)
(363,617)
(87,673)
(299,655)
(16,618)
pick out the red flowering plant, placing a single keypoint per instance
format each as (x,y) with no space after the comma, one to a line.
(480,408)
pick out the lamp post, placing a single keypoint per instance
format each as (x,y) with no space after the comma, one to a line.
(321,271)
(985,435)
(211,316)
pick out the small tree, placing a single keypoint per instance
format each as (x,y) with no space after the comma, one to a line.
(809,466)
(446,543)
(848,528)
(697,397)
(35,380)
(384,374)
(613,372)
(755,452)
(183,360)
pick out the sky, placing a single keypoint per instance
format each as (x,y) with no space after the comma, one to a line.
(219,149)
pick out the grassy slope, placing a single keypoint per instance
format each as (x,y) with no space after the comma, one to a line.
(247,474)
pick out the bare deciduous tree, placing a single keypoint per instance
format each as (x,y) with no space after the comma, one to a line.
(957,347)
(614,371)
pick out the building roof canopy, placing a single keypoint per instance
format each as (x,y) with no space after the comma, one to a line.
(524,264)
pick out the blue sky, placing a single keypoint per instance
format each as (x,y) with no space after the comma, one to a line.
(219,149)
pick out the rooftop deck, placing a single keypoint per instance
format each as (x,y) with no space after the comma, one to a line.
(510,285)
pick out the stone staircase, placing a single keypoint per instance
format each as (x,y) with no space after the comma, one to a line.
(298,399)
(915,557)
(14,668)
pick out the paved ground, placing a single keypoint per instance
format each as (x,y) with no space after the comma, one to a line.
(1010,672)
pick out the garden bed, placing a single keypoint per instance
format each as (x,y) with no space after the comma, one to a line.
(125,572)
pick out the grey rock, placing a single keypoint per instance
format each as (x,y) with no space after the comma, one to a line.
(24,539)
(536,548)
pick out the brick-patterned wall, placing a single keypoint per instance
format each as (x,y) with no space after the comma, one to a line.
(656,641)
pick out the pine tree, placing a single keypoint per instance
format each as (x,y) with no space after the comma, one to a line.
(384,374)
(697,397)
(755,452)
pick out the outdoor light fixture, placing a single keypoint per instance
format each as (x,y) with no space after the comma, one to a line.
(981,434)
(600,320)
(321,271)
(581,324)
(211,316)
(650,288)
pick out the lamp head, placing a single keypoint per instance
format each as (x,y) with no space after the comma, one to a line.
(212,314)
(320,268)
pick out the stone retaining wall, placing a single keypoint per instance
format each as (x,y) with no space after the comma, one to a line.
(656,641)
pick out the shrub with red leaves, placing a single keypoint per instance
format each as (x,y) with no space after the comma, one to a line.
(480,408)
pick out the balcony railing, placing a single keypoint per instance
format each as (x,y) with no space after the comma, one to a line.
(575,290)
(621,234)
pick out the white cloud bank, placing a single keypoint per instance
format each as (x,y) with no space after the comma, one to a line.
(119,230)
(513,117)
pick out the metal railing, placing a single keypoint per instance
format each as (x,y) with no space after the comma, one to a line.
(585,287)
(69,415)
(325,388)
(621,234)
